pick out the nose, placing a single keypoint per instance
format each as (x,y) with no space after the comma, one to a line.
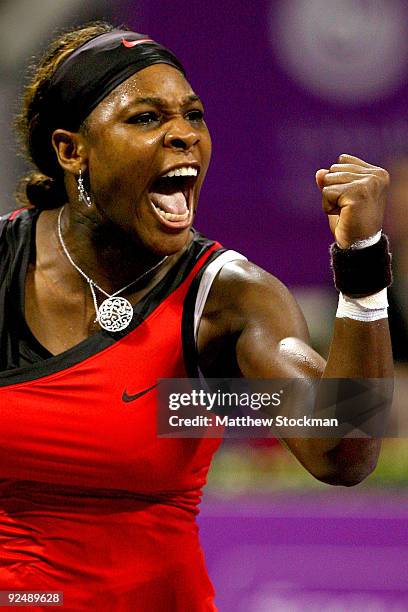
(181,135)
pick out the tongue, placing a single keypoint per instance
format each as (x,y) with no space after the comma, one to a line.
(174,203)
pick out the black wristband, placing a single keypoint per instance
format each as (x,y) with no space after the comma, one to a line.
(361,272)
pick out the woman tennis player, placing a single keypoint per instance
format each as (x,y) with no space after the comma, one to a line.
(102,292)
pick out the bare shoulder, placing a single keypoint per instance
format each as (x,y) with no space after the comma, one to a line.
(244,294)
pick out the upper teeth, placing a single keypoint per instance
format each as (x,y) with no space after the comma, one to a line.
(185,171)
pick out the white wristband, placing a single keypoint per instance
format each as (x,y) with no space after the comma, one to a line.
(369,308)
(367,242)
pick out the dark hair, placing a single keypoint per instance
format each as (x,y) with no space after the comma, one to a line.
(45,188)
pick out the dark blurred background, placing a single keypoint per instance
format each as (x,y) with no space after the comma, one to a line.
(288,85)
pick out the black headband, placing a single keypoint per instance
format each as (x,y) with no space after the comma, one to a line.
(83,80)
(93,70)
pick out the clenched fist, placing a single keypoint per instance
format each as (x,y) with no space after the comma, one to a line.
(354,195)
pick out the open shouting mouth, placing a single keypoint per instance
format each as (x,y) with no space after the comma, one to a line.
(171,196)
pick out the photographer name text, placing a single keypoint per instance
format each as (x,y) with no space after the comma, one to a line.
(248,421)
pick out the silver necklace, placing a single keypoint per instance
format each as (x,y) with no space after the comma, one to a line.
(115,313)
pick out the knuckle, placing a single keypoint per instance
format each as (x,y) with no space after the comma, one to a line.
(384,176)
(373,182)
(359,190)
(364,189)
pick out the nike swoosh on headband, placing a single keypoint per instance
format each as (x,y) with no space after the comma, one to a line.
(132,398)
(132,43)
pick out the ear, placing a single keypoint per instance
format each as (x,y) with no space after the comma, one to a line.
(70,149)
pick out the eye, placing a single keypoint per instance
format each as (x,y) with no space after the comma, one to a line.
(195,115)
(144,118)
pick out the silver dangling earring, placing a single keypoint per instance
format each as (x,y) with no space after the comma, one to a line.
(82,193)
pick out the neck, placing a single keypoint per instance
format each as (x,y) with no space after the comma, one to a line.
(108,255)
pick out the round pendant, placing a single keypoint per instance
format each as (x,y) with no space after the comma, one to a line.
(115,314)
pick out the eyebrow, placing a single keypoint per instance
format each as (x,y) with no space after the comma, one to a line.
(160,102)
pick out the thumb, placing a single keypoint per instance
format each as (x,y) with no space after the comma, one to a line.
(320,174)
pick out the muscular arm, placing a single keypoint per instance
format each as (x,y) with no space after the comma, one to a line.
(252,311)
(261,318)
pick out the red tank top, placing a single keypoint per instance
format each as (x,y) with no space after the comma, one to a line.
(92,502)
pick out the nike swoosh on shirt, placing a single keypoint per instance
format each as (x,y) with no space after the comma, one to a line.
(132,398)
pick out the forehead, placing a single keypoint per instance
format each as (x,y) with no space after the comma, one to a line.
(156,81)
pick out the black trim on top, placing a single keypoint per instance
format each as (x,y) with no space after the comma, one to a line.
(101,339)
(30,348)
